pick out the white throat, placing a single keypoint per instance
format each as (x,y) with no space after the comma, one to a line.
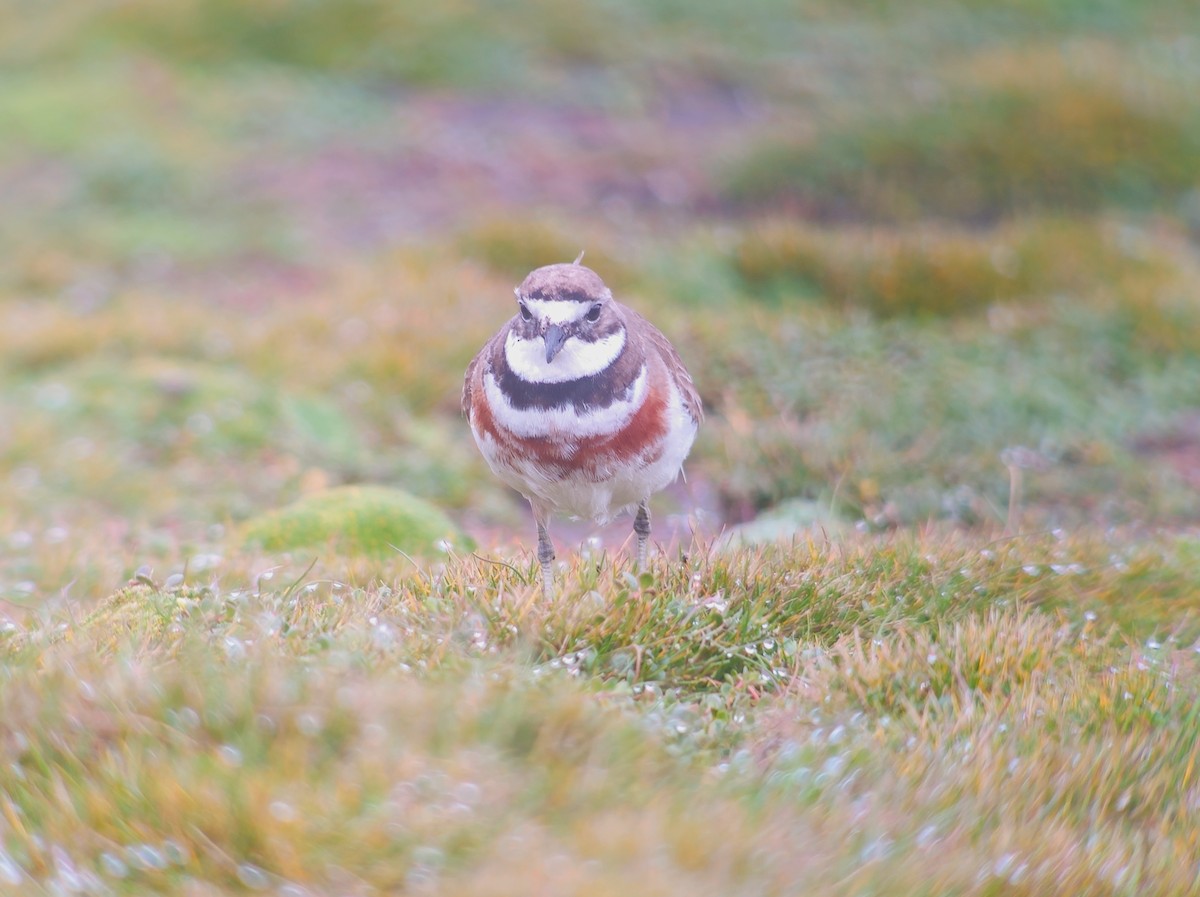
(576,359)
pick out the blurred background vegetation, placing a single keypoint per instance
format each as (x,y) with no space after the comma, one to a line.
(910,251)
(935,266)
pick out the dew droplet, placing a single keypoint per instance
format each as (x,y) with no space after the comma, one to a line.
(468,792)
(252,876)
(146,856)
(176,853)
(1003,864)
(283,811)
(113,865)
(834,765)
(9,870)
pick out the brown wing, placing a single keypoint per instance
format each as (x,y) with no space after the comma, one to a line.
(474,370)
(467,378)
(655,339)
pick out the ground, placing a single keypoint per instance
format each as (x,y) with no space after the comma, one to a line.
(923,617)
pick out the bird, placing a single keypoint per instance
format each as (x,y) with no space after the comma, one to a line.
(580,404)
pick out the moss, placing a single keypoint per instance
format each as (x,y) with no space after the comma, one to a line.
(887,273)
(932,271)
(514,247)
(1066,144)
(369,520)
(173,408)
(796,520)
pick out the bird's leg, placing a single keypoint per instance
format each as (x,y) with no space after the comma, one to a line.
(641,526)
(545,558)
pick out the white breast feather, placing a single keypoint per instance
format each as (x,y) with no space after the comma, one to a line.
(579,496)
(562,421)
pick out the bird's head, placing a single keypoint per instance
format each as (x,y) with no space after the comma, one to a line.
(564,312)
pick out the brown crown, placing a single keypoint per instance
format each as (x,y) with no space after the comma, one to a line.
(564,282)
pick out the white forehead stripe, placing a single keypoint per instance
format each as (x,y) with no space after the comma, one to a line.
(577,358)
(563,421)
(558,311)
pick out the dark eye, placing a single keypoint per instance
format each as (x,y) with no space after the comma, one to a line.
(526,315)
(593,314)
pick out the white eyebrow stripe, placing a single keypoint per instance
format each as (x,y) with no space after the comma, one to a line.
(558,311)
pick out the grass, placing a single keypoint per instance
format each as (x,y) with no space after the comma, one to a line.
(449,729)
(881,420)
(1027,133)
(934,269)
(915,272)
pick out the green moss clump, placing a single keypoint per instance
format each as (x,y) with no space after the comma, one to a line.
(939,271)
(366,520)
(983,154)
(886,273)
(173,409)
(515,247)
